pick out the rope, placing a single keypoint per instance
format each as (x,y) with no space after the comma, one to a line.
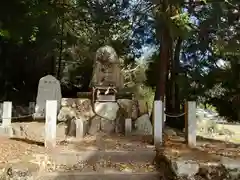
(18,116)
(174,116)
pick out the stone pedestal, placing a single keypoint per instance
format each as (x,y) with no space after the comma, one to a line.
(109,117)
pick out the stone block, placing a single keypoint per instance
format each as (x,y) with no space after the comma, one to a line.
(107,126)
(143,125)
(6,131)
(95,125)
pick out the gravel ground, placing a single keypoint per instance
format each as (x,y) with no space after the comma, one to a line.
(23,149)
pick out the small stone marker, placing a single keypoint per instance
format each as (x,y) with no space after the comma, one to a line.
(190,123)
(80,128)
(7,114)
(158,115)
(48,89)
(51,124)
(128,126)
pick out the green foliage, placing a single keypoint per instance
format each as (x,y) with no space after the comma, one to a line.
(35,35)
(135,77)
(38,34)
(214,37)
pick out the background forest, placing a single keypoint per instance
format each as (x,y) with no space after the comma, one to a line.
(178,49)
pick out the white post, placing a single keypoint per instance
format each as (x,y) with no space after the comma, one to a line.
(158,116)
(190,123)
(1,110)
(7,114)
(128,126)
(164,114)
(80,129)
(51,124)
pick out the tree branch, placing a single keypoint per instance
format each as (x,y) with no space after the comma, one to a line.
(130,70)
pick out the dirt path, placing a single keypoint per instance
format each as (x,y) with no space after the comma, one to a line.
(109,157)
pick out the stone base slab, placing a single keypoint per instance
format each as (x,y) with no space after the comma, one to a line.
(193,166)
(6,131)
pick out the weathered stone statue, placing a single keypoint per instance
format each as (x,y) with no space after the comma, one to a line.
(102,113)
(107,70)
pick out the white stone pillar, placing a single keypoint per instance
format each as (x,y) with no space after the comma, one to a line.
(190,123)
(128,126)
(158,116)
(51,123)
(7,114)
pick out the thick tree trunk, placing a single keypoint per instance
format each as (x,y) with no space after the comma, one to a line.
(60,51)
(175,74)
(165,39)
(169,85)
(173,101)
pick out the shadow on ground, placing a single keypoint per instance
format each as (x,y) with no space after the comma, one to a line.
(104,157)
(206,148)
(226,144)
(28,141)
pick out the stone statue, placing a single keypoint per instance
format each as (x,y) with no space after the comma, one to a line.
(107,70)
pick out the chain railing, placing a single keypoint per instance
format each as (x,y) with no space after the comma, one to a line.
(174,115)
(18,117)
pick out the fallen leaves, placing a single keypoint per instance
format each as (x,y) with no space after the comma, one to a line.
(205,150)
(12,150)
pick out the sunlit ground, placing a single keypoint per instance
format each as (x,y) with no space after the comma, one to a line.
(235,138)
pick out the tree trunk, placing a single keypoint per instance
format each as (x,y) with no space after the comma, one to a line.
(60,51)
(173,101)
(169,84)
(175,74)
(165,39)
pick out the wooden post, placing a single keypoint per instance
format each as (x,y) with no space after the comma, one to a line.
(51,124)
(158,115)
(128,126)
(7,114)
(190,123)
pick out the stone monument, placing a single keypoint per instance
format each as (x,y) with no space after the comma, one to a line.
(107,107)
(107,70)
(107,79)
(48,89)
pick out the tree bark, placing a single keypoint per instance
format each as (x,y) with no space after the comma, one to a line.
(175,74)
(161,72)
(60,51)
(165,39)
(172,98)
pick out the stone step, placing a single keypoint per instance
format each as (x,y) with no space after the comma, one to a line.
(92,156)
(104,171)
(101,176)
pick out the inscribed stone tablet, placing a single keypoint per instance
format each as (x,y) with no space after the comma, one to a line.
(48,89)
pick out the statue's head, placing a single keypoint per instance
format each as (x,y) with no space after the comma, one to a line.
(107,68)
(106,54)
